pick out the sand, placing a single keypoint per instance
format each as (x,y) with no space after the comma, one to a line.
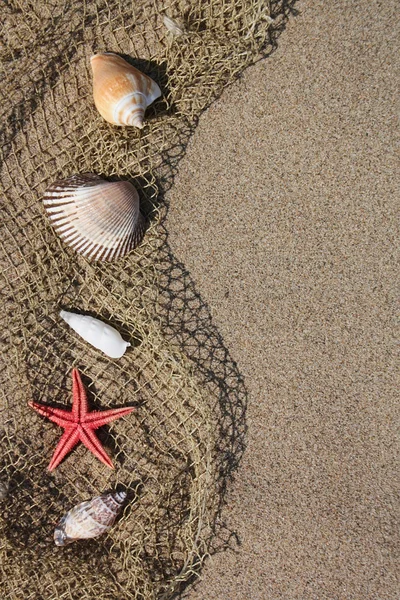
(284,213)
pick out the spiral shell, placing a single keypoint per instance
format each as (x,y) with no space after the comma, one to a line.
(121,92)
(89,519)
(101,335)
(99,219)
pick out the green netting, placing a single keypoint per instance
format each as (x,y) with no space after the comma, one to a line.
(174,454)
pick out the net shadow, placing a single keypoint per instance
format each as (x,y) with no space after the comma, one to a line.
(189,433)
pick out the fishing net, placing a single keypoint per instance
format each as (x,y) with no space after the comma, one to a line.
(174,453)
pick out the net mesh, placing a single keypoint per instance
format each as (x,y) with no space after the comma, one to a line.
(174,453)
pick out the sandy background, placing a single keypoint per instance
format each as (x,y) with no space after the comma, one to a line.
(284,212)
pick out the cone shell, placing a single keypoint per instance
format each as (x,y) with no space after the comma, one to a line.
(89,519)
(99,219)
(101,335)
(121,92)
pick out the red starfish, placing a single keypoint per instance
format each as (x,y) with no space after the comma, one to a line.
(79,424)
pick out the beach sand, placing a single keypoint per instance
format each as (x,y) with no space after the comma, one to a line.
(283,211)
(283,214)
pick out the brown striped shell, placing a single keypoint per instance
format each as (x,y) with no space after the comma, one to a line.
(121,92)
(99,219)
(89,519)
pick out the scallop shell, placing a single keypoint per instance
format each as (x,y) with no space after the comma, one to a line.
(101,335)
(121,92)
(99,219)
(89,519)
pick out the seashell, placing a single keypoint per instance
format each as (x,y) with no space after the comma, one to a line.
(89,519)
(99,219)
(121,92)
(101,335)
(175,27)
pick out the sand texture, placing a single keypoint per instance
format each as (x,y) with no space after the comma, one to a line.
(164,456)
(260,306)
(284,212)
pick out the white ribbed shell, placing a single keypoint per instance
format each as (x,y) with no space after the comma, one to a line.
(101,335)
(89,519)
(99,219)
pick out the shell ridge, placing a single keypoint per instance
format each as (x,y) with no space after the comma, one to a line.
(75,181)
(100,238)
(114,223)
(114,236)
(127,244)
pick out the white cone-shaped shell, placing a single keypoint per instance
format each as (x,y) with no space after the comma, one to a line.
(121,93)
(99,219)
(98,334)
(89,519)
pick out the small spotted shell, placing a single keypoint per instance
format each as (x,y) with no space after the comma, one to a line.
(89,519)
(121,93)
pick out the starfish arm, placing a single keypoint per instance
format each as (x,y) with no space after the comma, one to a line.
(88,437)
(68,440)
(97,418)
(64,418)
(79,403)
